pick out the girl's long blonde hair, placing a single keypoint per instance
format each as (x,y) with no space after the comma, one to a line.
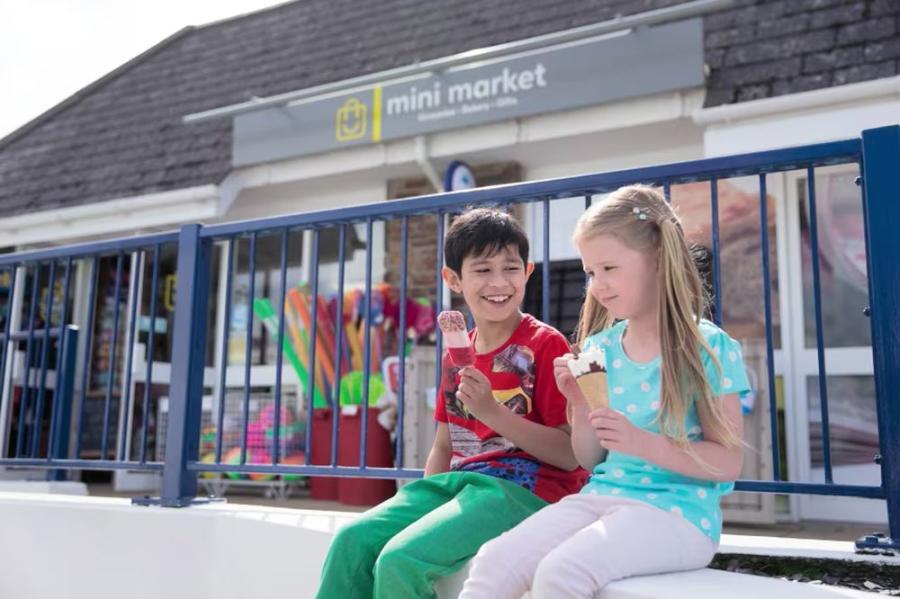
(639,217)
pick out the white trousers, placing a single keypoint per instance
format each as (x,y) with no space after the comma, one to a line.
(573,548)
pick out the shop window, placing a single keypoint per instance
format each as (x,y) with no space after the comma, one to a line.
(842,260)
(740,257)
(567,287)
(852,422)
(267,287)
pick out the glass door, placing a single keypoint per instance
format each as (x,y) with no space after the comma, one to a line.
(846,340)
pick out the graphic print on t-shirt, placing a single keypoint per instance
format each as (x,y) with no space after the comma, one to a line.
(512,382)
(521,378)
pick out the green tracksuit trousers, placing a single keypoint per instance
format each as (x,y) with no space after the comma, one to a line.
(397,549)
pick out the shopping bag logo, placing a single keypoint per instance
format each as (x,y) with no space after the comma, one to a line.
(351,120)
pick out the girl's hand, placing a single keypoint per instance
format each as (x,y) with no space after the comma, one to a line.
(616,432)
(475,393)
(566,382)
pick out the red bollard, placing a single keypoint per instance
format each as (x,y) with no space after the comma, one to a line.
(379,453)
(322,487)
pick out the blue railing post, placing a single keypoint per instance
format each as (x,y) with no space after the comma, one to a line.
(881,162)
(62,400)
(188,361)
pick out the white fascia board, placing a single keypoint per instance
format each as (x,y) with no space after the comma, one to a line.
(842,94)
(804,118)
(122,215)
(447,144)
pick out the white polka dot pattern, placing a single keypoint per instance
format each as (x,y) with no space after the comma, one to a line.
(635,393)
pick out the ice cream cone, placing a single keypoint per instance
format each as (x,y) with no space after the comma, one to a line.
(593,385)
(589,370)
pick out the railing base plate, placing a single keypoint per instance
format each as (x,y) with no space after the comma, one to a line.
(878,543)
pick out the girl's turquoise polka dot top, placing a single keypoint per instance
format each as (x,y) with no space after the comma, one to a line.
(634,390)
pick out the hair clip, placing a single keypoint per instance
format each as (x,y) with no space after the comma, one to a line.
(641,212)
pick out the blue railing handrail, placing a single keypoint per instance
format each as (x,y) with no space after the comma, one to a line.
(85,250)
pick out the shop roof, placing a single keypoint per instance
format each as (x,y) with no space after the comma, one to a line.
(123,135)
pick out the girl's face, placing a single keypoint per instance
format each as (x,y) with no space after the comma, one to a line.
(622,279)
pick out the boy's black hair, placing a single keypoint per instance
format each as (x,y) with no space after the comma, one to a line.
(480,231)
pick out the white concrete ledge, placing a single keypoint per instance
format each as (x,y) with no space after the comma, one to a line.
(54,487)
(695,584)
(96,548)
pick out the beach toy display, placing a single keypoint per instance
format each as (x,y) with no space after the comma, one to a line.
(384,322)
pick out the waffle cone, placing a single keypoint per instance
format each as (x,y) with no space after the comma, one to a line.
(593,385)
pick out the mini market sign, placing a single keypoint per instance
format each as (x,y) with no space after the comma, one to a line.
(587,72)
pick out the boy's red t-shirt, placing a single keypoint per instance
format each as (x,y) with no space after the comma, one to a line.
(521,376)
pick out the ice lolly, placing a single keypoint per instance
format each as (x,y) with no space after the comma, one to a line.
(589,370)
(456,338)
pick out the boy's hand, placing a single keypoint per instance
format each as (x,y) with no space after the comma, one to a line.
(566,382)
(616,432)
(475,393)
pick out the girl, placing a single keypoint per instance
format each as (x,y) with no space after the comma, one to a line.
(671,436)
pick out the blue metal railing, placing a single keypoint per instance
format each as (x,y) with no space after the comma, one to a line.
(74,346)
(877,153)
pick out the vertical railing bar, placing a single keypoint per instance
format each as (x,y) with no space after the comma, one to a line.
(667,191)
(7,344)
(338,345)
(439,302)
(193,277)
(127,398)
(401,341)
(88,340)
(767,302)
(588,201)
(45,349)
(111,371)
(223,365)
(148,378)
(314,302)
(60,348)
(878,166)
(279,349)
(367,350)
(62,399)
(717,272)
(23,404)
(545,267)
(820,341)
(248,351)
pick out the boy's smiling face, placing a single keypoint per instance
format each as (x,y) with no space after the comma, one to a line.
(493,285)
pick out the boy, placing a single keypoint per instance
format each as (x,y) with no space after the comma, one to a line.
(502,449)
